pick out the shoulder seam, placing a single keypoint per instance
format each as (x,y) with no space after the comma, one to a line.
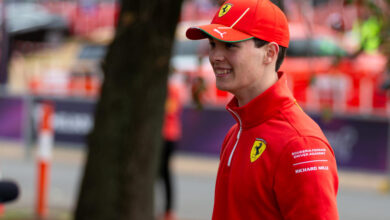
(289,122)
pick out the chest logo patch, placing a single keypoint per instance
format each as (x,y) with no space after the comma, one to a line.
(224,9)
(257,149)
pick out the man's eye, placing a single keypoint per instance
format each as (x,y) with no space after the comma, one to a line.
(229,45)
(212,44)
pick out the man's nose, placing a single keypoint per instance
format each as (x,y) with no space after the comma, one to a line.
(216,55)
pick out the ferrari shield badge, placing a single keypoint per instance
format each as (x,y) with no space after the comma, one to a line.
(224,9)
(257,149)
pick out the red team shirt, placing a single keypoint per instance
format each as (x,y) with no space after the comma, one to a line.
(275,163)
(172,126)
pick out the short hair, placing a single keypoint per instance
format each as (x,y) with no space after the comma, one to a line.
(282,52)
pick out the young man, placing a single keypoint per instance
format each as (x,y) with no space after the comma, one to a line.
(275,163)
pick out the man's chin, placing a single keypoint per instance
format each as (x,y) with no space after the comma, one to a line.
(223,88)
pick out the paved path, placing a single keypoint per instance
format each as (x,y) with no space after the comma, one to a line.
(359,197)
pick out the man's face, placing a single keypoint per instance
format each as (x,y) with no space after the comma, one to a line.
(238,67)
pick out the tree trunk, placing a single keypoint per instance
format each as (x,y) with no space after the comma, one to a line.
(119,174)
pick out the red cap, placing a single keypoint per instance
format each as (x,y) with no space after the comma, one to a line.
(239,20)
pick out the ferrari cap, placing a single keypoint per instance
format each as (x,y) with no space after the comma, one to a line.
(239,20)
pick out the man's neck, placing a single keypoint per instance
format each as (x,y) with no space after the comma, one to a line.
(245,96)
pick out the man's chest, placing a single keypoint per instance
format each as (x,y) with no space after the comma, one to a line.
(247,165)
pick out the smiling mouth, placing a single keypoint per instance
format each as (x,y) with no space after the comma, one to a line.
(222,72)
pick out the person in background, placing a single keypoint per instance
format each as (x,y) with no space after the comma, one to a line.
(171,134)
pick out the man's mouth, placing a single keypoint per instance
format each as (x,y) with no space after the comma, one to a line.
(222,72)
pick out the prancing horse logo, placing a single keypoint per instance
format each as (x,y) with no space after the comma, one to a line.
(257,149)
(224,9)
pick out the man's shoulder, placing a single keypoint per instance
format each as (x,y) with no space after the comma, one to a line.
(290,125)
(301,123)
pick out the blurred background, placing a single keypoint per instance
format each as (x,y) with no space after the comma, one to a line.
(337,67)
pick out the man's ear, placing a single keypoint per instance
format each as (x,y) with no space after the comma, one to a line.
(271,52)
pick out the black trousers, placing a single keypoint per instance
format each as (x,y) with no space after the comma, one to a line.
(165,173)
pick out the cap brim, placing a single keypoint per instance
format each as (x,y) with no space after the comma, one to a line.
(217,31)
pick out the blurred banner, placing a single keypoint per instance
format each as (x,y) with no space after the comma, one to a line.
(358,142)
(73,119)
(11,118)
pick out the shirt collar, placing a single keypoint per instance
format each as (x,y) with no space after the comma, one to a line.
(264,105)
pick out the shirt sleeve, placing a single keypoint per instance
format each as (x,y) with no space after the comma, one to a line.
(306,181)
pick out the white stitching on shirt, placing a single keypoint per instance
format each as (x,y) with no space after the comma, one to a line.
(238,137)
(311,161)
